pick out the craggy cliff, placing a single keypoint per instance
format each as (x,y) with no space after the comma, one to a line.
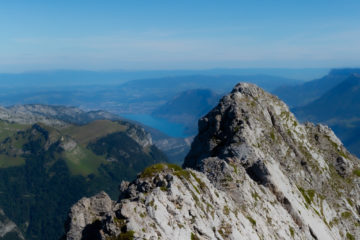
(253,172)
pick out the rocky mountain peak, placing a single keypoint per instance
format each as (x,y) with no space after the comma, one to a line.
(233,122)
(253,172)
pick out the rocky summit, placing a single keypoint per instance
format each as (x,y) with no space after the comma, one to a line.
(253,172)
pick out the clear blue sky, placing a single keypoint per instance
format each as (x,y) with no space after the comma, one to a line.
(36,35)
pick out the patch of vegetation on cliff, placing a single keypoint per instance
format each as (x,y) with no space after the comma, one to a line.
(251,220)
(153,170)
(129,235)
(194,237)
(337,148)
(346,215)
(308,195)
(357,172)
(225,230)
(292,231)
(349,236)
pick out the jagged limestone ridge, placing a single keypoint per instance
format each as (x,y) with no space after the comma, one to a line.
(253,130)
(266,176)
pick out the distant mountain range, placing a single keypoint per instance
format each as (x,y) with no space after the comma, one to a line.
(340,102)
(300,95)
(136,96)
(52,115)
(218,83)
(340,109)
(61,78)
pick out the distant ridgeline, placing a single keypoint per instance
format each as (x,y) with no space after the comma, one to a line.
(340,109)
(305,93)
(45,168)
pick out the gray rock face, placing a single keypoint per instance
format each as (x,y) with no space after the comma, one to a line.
(140,136)
(253,172)
(87,214)
(8,229)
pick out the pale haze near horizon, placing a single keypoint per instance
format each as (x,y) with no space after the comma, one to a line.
(134,35)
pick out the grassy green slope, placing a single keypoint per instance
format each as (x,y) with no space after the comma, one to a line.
(8,157)
(7,129)
(82,161)
(87,133)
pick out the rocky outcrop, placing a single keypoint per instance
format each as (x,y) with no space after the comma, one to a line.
(139,135)
(253,172)
(8,229)
(87,214)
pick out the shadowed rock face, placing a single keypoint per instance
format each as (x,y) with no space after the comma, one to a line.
(8,229)
(253,172)
(84,217)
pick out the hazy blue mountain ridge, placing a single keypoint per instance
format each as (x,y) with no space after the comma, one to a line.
(340,109)
(340,102)
(307,92)
(68,77)
(135,96)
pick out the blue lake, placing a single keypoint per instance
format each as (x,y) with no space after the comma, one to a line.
(169,128)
